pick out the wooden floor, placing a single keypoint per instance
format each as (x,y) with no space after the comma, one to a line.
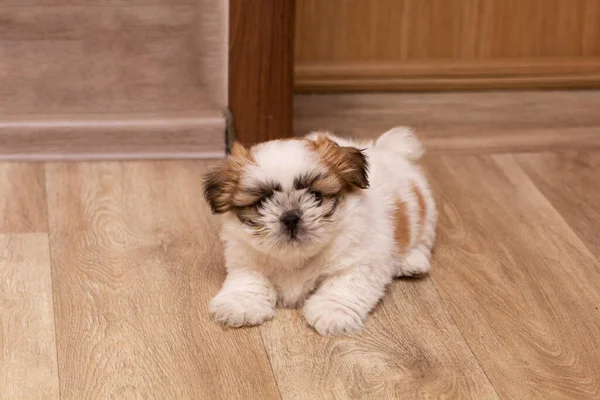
(106,270)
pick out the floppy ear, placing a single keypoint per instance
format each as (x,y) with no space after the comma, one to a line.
(354,167)
(349,163)
(221,182)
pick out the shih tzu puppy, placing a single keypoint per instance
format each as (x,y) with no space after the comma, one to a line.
(321,223)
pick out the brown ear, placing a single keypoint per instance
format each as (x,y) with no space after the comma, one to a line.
(219,186)
(238,151)
(355,167)
(349,163)
(221,182)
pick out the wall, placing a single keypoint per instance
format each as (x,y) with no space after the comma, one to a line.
(89,79)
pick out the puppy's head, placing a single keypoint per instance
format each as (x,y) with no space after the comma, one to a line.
(287,194)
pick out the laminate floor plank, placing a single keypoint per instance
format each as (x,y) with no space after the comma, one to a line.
(22,198)
(136,258)
(571,181)
(28,367)
(510,309)
(518,281)
(409,349)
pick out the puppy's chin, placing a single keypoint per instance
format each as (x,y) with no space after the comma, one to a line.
(293,250)
(300,242)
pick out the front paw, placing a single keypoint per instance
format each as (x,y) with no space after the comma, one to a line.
(331,316)
(242,308)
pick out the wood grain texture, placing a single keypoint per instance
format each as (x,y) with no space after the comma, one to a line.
(510,309)
(461,122)
(261,54)
(81,59)
(101,3)
(22,198)
(28,368)
(519,283)
(211,45)
(135,259)
(570,181)
(410,349)
(111,78)
(362,30)
(446,44)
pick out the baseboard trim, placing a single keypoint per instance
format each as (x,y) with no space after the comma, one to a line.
(448,75)
(112,137)
(465,141)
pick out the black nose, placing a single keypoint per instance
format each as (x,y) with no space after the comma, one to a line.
(290,220)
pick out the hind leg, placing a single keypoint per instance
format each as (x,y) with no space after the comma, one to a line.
(416,262)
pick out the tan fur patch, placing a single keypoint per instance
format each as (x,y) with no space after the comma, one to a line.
(242,153)
(401,226)
(421,200)
(221,182)
(328,185)
(348,164)
(242,198)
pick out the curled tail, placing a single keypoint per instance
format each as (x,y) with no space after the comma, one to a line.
(402,141)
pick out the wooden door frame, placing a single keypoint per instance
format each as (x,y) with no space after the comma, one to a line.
(261,68)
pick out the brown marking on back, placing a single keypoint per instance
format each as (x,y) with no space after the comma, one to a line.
(421,201)
(348,164)
(401,226)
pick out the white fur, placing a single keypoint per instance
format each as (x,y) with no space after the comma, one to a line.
(340,278)
(402,141)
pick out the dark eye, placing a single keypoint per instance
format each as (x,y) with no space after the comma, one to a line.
(317,195)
